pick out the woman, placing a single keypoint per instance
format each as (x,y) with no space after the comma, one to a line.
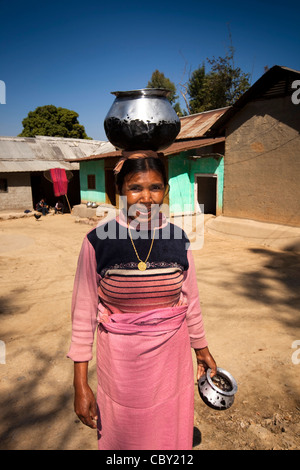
(136,285)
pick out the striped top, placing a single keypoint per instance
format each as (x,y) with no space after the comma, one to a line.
(122,288)
(128,291)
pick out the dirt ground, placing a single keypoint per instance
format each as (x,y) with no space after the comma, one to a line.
(250,300)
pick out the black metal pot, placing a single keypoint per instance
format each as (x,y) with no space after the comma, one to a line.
(142,120)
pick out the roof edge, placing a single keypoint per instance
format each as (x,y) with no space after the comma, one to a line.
(175,148)
(258,86)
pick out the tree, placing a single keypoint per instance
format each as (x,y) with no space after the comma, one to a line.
(158,80)
(195,89)
(52,121)
(221,87)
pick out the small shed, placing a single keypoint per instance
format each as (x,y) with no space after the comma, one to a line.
(262,150)
(23,161)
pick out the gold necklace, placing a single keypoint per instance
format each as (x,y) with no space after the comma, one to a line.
(142,264)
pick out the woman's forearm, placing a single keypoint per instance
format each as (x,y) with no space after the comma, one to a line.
(80,374)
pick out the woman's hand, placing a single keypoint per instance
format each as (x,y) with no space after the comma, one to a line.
(85,406)
(205,361)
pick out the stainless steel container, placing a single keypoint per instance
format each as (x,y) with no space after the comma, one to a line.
(217,392)
(142,120)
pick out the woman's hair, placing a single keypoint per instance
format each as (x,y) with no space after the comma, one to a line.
(137,165)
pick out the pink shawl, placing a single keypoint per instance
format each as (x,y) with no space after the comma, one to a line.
(145,381)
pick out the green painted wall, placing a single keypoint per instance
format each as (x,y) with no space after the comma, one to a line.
(94,167)
(182,172)
(181,191)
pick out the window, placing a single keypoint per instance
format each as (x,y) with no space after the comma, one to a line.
(3,185)
(91,181)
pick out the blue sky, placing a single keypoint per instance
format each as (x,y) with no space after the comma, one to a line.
(73,54)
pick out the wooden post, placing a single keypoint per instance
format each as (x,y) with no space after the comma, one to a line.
(68,203)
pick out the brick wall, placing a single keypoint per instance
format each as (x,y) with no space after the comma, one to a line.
(17,195)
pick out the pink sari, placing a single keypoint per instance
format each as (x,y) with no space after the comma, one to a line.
(145,390)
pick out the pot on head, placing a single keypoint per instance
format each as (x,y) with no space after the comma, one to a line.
(142,120)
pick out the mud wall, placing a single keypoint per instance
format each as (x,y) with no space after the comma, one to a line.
(262,162)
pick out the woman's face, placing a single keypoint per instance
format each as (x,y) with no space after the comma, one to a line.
(142,190)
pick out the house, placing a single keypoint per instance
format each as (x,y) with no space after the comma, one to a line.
(194,165)
(242,161)
(262,150)
(24,161)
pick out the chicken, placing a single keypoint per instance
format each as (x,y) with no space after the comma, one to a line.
(37,216)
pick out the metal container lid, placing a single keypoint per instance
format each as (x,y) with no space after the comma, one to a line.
(142,92)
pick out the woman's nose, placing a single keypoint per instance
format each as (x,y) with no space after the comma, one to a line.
(145,196)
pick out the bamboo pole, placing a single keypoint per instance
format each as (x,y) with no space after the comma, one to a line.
(68,203)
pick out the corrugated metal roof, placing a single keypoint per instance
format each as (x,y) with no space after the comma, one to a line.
(174,149)
(105,148)
(178,147)
(42,153)
(34,165)
(196,125)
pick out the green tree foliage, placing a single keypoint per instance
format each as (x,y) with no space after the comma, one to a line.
(158,80)
(52,121)
(196,90)
(221,87)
